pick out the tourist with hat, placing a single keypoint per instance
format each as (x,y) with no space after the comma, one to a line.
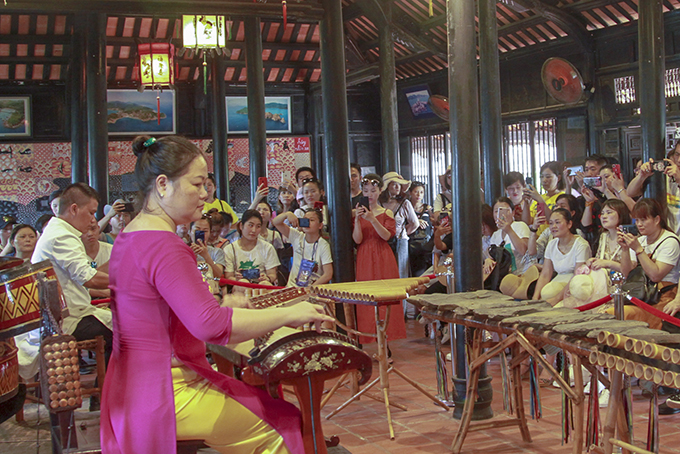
(443,200)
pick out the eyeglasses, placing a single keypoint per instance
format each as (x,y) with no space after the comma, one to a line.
(309,180)
(370,181)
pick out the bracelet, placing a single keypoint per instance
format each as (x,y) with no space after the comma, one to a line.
(532,229)
(589,204)
(620,190)
(640,251)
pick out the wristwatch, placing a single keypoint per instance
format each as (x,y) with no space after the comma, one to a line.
(533,229)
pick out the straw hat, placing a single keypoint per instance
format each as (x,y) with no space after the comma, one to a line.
(442,178)
(520,287)
(389,177)
(586,288)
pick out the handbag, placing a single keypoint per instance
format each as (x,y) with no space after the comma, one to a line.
(640,286)
(393,240)
(503,259)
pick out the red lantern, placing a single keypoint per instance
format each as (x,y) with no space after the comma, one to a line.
(156,64)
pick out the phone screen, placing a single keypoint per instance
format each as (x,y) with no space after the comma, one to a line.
(574,169)
(364,202)
(303,222)
(199,235)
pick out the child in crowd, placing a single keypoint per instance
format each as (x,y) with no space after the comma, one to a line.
(312,192)
(311,253)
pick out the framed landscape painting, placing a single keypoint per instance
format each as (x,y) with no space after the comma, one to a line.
(15,116)
(132,113)
(276,108)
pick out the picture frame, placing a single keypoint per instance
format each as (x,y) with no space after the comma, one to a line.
(132,113)
(418,97)
(277,110)
(15,117)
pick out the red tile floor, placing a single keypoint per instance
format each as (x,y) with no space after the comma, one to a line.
(426,428)
(362,427)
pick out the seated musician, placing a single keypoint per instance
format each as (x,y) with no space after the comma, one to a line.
(309,249)
(251,258)
(159,387)
(657,251)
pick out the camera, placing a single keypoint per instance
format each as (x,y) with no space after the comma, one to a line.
(659,166)
(303,222)
(129,208)
(592,182)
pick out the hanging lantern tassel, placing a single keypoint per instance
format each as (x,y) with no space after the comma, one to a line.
(158,108)
(205,75)
(285,14)
(431,9)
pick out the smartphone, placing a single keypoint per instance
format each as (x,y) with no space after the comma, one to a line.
(199,235)
(630,228)
(364,202)
(617,170)
(262,181)
(444,219)
(318,205)
(659,165)
(529,181)
(303,222)
(540,210)
(592,182)
(574,169)
(251,275)
(129,208)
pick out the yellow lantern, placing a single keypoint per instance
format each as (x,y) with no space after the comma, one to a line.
(156,64)
(204,31)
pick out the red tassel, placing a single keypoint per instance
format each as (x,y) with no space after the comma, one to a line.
(285,14)
(158,107)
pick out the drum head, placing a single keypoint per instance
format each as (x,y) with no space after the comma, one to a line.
(10,274)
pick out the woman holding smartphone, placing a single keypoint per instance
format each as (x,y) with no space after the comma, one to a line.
(514,234)
(373,226)
(534,203)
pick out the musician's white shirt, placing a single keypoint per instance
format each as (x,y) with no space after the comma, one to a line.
(61,244)
(322,255)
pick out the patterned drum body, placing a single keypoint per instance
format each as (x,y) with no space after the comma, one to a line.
(19,303)
(309,352)
(9,370)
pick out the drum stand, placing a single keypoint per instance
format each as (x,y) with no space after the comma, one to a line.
(385,369)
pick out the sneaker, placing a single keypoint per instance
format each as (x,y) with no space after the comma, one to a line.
(664,409)
(604,398)
(673,401)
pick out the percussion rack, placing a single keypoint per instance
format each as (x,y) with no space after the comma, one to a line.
(381,356)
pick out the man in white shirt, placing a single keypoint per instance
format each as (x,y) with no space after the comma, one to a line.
(61,244)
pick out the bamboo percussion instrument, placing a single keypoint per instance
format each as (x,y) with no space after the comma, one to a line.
(381,291)
(634,369)
(639,347)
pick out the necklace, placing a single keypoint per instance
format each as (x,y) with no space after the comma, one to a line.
(565,249)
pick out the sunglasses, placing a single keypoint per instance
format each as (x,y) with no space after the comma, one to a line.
(309,180)
(370,181)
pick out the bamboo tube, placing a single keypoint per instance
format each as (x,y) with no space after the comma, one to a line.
(677,380)
(668,378)
(628,345)
(666,355)
(611,361)
(602,337)
(658,376)
(653,351)
(601,359)
(648,373)
(675,356)
(630,368)
(593,357)
(615,340)
(620,364)
(638,346)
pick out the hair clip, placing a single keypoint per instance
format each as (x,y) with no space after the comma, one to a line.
(148,142)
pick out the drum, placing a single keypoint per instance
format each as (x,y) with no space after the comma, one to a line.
(9,370)
(19,303)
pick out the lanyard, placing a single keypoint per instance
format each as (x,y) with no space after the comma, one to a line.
(304,241)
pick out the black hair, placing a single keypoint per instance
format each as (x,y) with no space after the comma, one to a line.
(16,228)
(487,217)
(42,220)
(504,199)
(78,193)
(573,206)
(596,158)
(304,169)
(169,156)
(511,178)
(248,215)
(318,213)
(556,168)
(621,210)
(650,208)
(567,217)
(55,195)
(356,167)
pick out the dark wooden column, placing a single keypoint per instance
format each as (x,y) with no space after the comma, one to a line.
(467,196)
(490,98)
(388,97)
(257,129)
(77,94)
(219,129)
(336,139)
(651,86)
(97,129)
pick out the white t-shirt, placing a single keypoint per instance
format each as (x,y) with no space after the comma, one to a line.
(262,256)
(104,254)
(522,231)
(566,263)
(274,238)
(441,202)
(668,252)
(673,203)
(322,255)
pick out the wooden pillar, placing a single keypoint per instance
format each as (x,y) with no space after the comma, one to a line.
(465,167)
(77,96)
(219,129)
(652,95)
(490,98)
(257,129)
(388,97)
(97,129)
(336,138)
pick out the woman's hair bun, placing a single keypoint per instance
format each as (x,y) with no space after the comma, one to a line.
(139,146)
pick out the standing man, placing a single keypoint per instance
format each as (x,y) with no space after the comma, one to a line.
(355,183)
(61,244)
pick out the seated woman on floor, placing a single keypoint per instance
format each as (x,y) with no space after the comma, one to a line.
(513,234)
(566,252)
(657,250)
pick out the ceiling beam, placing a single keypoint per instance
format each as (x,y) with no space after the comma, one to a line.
(566,21)
(193,62)
(296,11)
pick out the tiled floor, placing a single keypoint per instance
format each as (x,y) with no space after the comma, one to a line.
(424,428)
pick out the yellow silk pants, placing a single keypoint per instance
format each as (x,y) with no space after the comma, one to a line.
(204,412)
